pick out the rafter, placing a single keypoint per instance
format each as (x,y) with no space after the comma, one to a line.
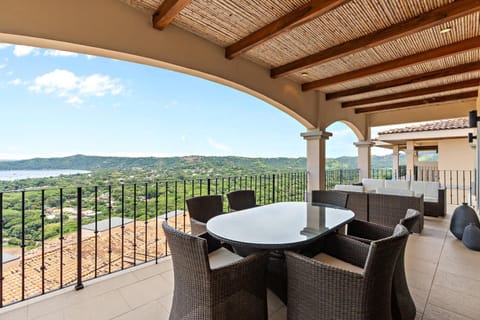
(413,93)
(167,12)
(432,75)
(427,20)
(419,102)
(395,64)
(303,14)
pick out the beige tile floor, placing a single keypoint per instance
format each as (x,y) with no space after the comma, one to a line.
(443,276)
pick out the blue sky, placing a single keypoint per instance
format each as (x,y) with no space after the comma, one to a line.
(56,103)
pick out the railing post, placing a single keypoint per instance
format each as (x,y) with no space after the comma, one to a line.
(79,240)
(273,188)
(208,186)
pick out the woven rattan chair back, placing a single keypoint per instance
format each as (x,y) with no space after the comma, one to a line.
(411,219)
(233,292)
(317,290)
(203,208)
(336,198)
(241,199)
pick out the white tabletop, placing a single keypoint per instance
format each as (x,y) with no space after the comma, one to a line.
(279,225)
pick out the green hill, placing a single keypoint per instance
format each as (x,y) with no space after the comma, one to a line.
(82,162)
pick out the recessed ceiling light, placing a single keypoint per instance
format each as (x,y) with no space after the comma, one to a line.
(445,30)
(304,74)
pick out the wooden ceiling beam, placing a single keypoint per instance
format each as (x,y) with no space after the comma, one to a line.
(414,93)
(432,75)
(167,12)
(419,102)
(303,14)
(424,21)
(450,49)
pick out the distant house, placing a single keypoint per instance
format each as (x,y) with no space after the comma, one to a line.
(448,138)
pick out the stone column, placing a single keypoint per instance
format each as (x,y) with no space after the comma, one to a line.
(364,148)
(410,157)
(396,162)
(316,159)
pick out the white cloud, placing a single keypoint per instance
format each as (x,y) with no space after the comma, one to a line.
(89,57)
(21,51)
(2,66)
(343,133)
(59,53)
(218,146)
(4,45)
(74,100)
(99,85)
(57,81)
(9,73)
(17,82)
(64,83)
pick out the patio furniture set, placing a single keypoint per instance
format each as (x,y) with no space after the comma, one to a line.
(323,273)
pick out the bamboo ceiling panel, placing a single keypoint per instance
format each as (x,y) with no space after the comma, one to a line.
(436,64)
(145,5)
(425,96)
(350,21)
(224,22)
(420,85)
(463,29)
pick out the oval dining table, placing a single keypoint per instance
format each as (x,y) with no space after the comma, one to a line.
(276,227)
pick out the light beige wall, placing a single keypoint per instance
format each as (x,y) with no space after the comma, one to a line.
(113,29)
(455,154)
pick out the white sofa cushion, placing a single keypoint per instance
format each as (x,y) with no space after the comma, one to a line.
(429,190)
(397,184)
(395,192)
(347,187)
(372,184)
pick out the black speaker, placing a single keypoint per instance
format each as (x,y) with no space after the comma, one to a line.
(472,119)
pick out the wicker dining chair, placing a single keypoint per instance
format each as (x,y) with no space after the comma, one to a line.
(201,209)
(336,198)
(349,280)
(403,306)
(214,284)
(241,199)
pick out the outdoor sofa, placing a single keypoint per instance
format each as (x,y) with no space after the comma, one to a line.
(433,194)
(382,208)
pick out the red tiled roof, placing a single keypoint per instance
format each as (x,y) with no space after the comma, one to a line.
(458,123)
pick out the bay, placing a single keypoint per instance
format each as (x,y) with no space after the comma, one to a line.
(11,175)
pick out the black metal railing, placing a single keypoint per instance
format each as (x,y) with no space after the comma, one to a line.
(53,238)
(460,185)
(340,176)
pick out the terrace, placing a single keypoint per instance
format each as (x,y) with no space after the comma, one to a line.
(442,275)
(366,63)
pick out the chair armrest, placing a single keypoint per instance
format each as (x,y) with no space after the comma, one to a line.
(347,249)
(197,227)
(212,243)
(249,272)
(364,231)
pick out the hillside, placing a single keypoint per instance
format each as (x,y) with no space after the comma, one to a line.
(82,162)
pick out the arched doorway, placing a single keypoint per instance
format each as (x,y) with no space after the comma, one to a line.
(341,164)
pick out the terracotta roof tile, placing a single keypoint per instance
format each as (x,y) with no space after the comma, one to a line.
(458,123)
